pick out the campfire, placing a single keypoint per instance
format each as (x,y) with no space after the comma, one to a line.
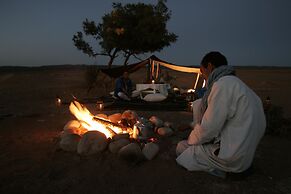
(95,123)
(125,133)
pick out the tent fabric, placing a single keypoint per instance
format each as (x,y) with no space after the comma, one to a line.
(118,71)
(181,68)
(186,69)
(153,60)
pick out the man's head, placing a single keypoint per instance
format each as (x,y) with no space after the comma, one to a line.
(211,61)
(125,75)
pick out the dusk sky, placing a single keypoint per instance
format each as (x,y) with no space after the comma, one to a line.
(248,32)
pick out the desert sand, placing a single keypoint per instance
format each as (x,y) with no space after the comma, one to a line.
(31,123)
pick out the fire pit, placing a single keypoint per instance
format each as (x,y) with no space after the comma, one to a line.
(125,134)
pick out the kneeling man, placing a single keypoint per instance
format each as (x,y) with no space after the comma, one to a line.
(230,122)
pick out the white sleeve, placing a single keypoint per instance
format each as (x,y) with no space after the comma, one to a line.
(214,117)
(196,106)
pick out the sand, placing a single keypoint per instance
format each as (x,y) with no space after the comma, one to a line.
(32,162)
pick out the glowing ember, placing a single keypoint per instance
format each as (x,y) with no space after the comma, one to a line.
(152,139)
(93,123)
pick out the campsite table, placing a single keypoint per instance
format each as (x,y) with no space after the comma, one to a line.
(162,88)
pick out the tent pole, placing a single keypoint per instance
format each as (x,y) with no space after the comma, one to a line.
(157,71)
(196,82)
(153,70)
(148,71)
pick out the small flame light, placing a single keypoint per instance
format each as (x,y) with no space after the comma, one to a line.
(58,101)
(100,105)
(176,89)
(190,106)
(153,81)
(190,90)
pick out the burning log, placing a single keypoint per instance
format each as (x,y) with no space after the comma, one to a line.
(93,123)
(112,126)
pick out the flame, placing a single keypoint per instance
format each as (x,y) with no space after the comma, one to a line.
(87,120)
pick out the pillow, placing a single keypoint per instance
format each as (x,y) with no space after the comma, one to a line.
(135,93)
(154,97)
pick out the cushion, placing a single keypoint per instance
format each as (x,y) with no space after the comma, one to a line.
(154,97)
(135,93)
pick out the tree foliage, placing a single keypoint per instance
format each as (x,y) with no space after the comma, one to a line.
(129,29)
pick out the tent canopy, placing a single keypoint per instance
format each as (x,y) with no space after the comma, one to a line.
(154,64)
(153,61)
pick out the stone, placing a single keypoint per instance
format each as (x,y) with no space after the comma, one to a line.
(104,116)
(145,122)
(145,131)
(165,131)
(69,142)
(80,131)
(145,127)
(130,116)
(150,150)
(73,124)
(115,118)
(131,153)
(156,121)
(74,127)
(92,142)
(115,146)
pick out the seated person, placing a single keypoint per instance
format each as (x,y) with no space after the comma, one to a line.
(123,87)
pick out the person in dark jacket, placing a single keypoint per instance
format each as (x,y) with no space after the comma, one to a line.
(123,87)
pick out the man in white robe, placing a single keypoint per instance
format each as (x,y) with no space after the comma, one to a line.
(229,123)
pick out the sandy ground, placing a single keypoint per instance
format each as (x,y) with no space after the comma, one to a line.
(31,161)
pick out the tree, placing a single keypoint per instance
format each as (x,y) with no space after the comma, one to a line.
(130,29)
(109,47)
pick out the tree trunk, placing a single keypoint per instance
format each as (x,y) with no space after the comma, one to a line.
(112,57)
(126,59)
(109,64)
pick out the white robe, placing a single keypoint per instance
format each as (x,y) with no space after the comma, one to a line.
(235,115)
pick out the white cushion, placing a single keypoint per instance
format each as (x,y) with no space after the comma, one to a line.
(154,97)
(135,93)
